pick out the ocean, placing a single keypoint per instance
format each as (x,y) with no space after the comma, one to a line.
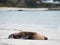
(43,18)
(44,22)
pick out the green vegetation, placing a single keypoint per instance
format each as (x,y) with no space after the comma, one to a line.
(26,4)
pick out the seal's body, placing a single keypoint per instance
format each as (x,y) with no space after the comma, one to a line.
(27,35)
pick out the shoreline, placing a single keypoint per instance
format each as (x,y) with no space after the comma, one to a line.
(22,9)
(28,9)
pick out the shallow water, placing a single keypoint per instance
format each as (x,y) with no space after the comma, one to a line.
(39,18)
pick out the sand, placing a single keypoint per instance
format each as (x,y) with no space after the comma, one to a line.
(20,9)
(52,34)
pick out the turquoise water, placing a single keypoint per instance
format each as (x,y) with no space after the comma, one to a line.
(42,18)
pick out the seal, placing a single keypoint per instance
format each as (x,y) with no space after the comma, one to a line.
(27,35)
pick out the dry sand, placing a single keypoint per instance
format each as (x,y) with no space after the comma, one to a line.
(21,9)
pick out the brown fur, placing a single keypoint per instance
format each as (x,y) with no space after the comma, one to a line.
(28,35)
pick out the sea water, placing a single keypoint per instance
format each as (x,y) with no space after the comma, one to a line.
(43,18)
(43,22)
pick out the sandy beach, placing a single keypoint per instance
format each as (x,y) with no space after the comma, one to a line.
(21,9)
(52,34)
(28,9)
